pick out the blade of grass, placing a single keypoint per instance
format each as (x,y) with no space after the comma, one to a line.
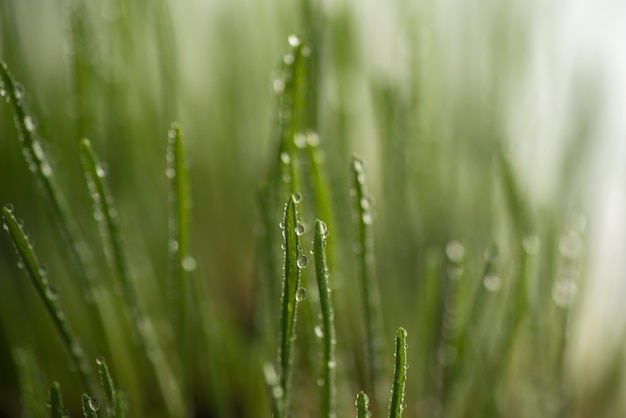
(38,162)
(115,403)
(362,405)
(49,295)
(290,299)
(397,404)
(180,260)
(329,363)
(370,298)
(90,406)
(106,214)
(56,402)
(273,386)
(30,383)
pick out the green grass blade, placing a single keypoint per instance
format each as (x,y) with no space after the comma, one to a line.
(397,404)
(115,404)
(49,295)
(90,406)
(30,383)
(105,212)
(56,402)
(39,164)
(180,260)
(362,405)
(370,298)
(321,188)
(273,386)
(290,299)
(329,363)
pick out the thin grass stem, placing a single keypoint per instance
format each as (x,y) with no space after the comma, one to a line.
(362,405)
(56,402)
(90,406)
(397,404)
(49,295)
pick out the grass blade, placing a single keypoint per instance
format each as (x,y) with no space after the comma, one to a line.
(329,363)
(273,385)
(180,261)
(397,404)
(115,404)
(105,212)
(362,405)
(291,289)
(56,401)
(370,298)
(49,295)
(39,164)
(90,406)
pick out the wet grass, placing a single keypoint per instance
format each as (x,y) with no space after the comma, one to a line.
(192,318)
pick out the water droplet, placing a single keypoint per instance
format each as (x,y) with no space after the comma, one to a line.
(100,361)
(3,92)
(94,404)
(173,244)
(322,228)
(365,203)
(299,140)
(20,265)
(46,170)
(100,171)
(296,197)
(301,294)
(332,364)
(52,291)
(277,391)
(299,229)
(278,85)
(358,164)
(318,331)
(455,251)
(492,283)
(5,226)
(285,158)
(288,59)
(281,225)
(367,218)
(302,261)
(313,139)
(170,173)
(9,207)
(320,382)
(306,51)
(189,264)
(531,244)
(29,123)
(491,254)
(38,150)
(294,40)
(564,293)
(19,91)
(571,245)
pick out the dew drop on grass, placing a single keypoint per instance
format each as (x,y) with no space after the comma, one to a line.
(318,331)
(100,171)
(294,40)
(94,404)
(322,229)
(299,229)
(189,264)
(302,261)
(455,251)
(365,203)
(288,59)
(296,197)
(5,226)
(491,254)
(564,292)
(332,364)
(570,245)
(19,91)
(367,218)
(173,244)
(299,140)
(100,361)
(53,292)
(279,85)
(29,123)
(285,158)
(320,382)
(9,207)
(281,225)
(301,294)
(46,169)
(313,139)
(170,173)
(492,283)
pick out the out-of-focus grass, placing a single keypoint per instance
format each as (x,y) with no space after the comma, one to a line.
(415,89)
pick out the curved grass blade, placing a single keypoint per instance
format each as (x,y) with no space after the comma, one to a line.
(56,402)
(90,406)
(362,405)
(321,189)
(115,404)
(397,404)
(38,163)
(49,295)
(329,363)
(105,212)
(370,298)
(29,378)
(181,263)
(290,299)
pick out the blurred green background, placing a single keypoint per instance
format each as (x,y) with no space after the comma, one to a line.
(427,92)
